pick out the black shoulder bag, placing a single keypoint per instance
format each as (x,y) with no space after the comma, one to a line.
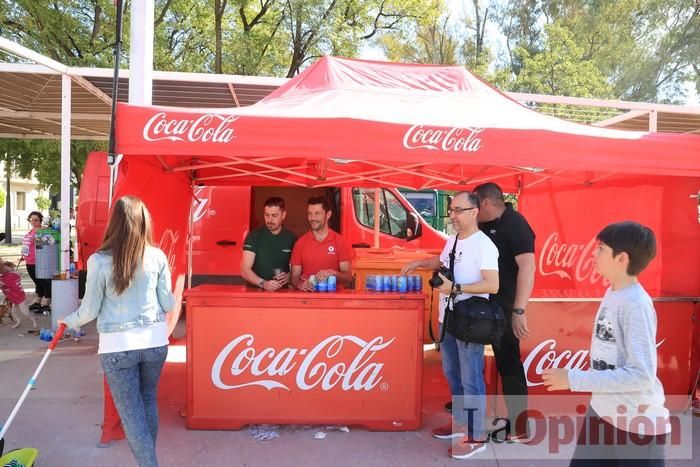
(475,320)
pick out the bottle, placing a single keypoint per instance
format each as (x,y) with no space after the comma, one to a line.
(386,287)
(71,271)
(312,281)
(331,287)
(402,284)
(378,283)
(321,285)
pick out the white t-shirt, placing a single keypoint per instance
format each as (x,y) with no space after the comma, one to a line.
(474,254)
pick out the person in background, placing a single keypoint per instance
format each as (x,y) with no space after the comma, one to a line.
(321,251)
(515,240)
(627,397)
(11,287)
(129,291)
(268,248)
(42,297)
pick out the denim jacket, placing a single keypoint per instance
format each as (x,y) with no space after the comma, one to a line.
(145,302)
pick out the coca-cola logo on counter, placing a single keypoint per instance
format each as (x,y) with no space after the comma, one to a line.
(545,355)
(573,261)
(452,139)
(209,128)
(321,366)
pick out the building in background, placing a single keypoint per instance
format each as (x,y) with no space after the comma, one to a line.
(22,198)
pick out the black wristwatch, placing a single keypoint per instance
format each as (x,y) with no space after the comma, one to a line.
(519,311)
(261,284)
(458,288)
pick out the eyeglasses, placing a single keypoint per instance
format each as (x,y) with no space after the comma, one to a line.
(458,210)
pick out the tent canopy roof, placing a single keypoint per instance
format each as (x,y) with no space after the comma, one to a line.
(357,122)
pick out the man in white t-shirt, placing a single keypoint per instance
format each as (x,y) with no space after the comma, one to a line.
(475,273)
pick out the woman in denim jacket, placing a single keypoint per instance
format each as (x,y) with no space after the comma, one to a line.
(128,291)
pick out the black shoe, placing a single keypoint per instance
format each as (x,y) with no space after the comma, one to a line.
(448,406)
(45,309)
(35,308)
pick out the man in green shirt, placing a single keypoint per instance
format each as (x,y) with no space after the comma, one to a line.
(267,248)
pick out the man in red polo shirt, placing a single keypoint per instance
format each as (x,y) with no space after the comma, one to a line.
(321,251)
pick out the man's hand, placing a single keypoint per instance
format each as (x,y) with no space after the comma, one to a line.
(324,274)
(446,287)
(410,267)
(556,379)
(282,278)
(519,323)
(306,286)
(272,285)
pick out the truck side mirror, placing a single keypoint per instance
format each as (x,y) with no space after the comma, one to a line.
(413,226)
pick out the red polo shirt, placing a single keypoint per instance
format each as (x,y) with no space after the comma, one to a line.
(313,255)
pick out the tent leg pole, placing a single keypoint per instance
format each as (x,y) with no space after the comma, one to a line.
(65,171)
(377,194)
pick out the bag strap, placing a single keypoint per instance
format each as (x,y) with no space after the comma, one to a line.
(450,298)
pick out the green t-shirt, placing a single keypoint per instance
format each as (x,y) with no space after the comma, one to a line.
(271,251)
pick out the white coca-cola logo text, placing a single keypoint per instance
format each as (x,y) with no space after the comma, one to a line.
(204,129)
(314,367)
(167,243)
(545,355)
(568,261)
(453,139)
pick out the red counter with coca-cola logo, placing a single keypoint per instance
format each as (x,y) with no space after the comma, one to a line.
(561,331)
(291,357)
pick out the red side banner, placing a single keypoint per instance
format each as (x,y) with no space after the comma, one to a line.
(567,221)
(168,198)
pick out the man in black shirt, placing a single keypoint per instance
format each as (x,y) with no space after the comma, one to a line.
(515,241)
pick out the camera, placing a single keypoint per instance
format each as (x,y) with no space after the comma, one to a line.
(436,281)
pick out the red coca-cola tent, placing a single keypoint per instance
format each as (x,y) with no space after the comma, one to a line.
(356,122)
(360,123)
(349,122)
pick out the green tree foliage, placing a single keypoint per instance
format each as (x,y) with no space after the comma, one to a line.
(560,68)
(645,49)
(43,159)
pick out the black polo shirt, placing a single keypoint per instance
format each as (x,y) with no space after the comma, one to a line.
(513,236)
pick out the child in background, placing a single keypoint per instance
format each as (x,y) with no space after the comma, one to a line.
(11,286)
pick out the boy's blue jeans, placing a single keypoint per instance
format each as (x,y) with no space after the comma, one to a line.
(463,366)
(133,380)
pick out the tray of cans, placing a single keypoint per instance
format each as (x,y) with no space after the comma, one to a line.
(326,285)
(394,283)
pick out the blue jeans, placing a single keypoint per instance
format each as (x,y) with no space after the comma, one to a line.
(450,363)
(133,379)
(463,366)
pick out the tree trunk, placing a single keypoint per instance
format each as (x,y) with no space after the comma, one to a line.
(219,7)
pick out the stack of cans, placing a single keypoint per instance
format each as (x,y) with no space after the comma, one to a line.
(326,285)
(393,283)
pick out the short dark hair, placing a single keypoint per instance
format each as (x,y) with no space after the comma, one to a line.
(275,201)
(490,191)
(322,200)
(37,214)
(636,240)
(471,196)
